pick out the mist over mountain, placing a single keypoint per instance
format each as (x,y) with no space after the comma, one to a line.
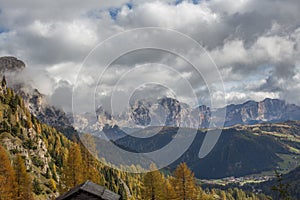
(38,103)
(143,113)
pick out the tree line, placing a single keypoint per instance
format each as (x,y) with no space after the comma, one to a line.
(182,185)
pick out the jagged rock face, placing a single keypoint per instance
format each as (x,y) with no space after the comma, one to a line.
(172,109)
(241,114)
(10,64)
(39,106)
(204,116)
(141,114)
(160,112)
(170,112)
(268,110)
(165,111)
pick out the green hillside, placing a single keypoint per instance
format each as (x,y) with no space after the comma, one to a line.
(237,153)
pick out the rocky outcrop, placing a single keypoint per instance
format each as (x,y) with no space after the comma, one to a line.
(41,108)
(36,152)
(10,64)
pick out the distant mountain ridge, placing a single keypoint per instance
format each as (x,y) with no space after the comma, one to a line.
(268,110)
(170,112)
(161,112)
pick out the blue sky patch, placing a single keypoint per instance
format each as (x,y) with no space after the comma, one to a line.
(3,30)
(114,12)
(196,2)
(178,2)
(129,5)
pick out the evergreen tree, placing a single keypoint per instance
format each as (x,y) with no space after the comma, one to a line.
(281,188)
(6,176)
(8,96)
(89,157)
(204,195)
(52,185)
(223,195)
(184,183)
(36,186)
(13,104)
(23,182)
(169,192)
(153,185)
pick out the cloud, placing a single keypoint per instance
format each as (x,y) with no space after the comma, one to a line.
(62,96)
(254,43)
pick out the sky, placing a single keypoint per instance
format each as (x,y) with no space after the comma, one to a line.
(255,45)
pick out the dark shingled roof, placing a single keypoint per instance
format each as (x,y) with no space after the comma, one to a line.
(91,188)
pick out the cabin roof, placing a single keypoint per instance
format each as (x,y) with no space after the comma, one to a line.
(93,189)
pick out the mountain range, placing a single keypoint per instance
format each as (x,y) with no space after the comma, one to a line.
(172,113)
(145,113)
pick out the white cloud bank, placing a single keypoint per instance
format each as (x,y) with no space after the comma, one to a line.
(255,43)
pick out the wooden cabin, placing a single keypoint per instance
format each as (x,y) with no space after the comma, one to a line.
(89,191)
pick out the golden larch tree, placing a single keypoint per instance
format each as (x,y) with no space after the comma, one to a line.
(89,158)
(7,176)
(184,183)
(22,180)
(169,192)
(153,185)
(73,171)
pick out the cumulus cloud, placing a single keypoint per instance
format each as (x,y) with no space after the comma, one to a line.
(254,43)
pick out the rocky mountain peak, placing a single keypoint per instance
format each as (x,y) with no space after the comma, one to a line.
(10,64)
